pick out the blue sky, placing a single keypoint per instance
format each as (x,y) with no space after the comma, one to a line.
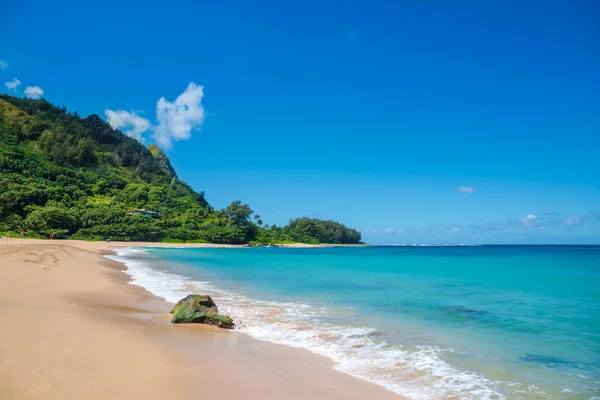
(371,113)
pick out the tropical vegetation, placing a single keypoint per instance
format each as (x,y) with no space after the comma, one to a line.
(65,176)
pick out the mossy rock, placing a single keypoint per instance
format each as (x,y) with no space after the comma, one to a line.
(197,302)
(199,309)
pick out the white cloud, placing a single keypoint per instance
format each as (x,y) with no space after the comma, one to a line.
(34,92)
(572,220)
(530,220)
(466,189)
(12,85)
(129,122)
(510,228)
(385,231)
(3,65)
(174,120)
(177,120)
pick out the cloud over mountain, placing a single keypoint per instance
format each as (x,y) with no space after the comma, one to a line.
(175,120)
(129,123)
(34,92)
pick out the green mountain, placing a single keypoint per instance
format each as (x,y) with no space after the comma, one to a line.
(75,177)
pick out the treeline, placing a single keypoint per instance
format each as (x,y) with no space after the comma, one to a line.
(310,230)
(75,177)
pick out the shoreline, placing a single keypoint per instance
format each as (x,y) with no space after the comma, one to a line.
(121,343)
(104,244)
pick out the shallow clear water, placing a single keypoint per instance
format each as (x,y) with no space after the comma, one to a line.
(515,322)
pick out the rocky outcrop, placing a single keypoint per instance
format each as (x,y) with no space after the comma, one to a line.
(199,309)
(163,160)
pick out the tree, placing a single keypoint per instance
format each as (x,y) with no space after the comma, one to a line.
(323,231)
(239,214)
(44,220)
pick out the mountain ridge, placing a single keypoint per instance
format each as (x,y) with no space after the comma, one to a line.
(72,177)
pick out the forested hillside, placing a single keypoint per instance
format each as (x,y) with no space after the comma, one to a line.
(79,178)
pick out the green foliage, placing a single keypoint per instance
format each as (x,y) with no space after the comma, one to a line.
(49,219)
(223,234)
(14,222)
(80,178)
(308,229)
(240,223)
(238,213)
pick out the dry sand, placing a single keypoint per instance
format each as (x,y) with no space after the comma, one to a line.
(72,328)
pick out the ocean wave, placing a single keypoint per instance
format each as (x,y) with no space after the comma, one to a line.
(427,245)
(420,372)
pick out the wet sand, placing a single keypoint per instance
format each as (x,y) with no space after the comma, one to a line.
(73,328)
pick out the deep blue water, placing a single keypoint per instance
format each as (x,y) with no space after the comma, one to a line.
(515,322)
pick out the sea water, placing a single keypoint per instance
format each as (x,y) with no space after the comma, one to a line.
(454,322)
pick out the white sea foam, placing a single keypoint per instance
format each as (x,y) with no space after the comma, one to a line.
(429,245)
(420,372)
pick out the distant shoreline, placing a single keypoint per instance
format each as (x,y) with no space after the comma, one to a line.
(15,240)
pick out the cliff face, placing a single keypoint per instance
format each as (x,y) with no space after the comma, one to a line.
(163,160)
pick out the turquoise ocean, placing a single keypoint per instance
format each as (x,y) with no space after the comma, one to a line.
(430,322)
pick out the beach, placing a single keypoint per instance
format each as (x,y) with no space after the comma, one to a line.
(91,320)
(428,322)
(72,328)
